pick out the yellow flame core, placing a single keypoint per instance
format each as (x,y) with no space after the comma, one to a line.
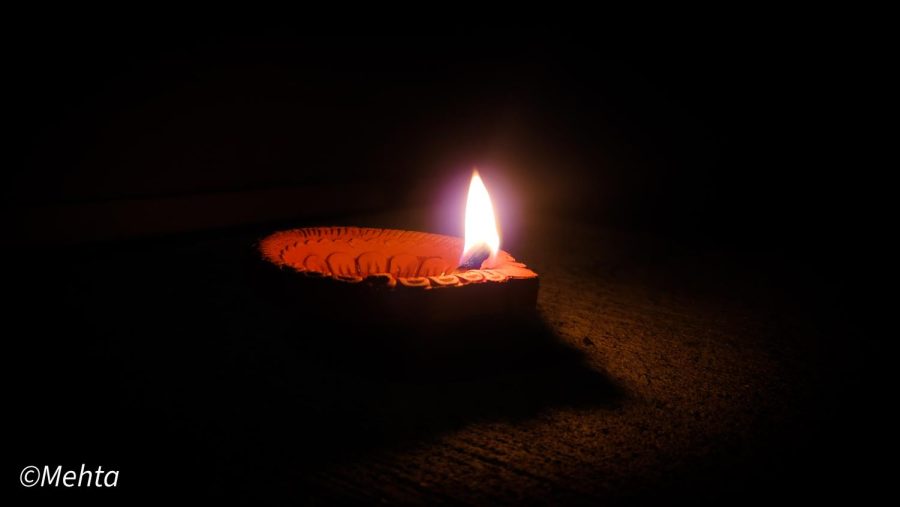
(481,226)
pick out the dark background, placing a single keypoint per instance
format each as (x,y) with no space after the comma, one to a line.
(727,143)
(723,138)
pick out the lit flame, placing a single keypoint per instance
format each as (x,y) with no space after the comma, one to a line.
(481,226)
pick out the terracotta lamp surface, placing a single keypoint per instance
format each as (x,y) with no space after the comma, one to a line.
(385,257)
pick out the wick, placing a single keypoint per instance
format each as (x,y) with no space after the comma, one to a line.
(475,257)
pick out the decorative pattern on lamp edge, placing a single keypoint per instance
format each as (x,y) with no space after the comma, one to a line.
(384,257)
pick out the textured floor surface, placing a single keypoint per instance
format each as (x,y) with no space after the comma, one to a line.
(663,372)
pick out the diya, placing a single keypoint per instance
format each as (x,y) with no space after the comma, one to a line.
(356,272)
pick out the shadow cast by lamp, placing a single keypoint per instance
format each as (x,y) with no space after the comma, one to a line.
(261,390)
